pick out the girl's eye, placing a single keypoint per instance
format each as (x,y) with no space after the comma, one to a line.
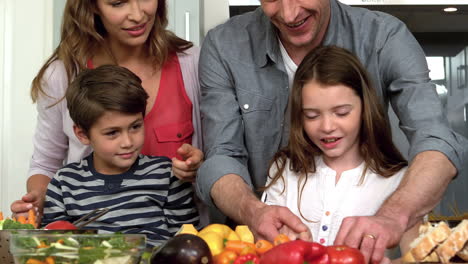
(117,3)
(342,114)
(311,116)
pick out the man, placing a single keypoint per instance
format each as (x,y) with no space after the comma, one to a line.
(246,68)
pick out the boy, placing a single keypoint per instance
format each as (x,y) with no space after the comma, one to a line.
(108,105)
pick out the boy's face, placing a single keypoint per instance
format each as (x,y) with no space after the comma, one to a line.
(117,139)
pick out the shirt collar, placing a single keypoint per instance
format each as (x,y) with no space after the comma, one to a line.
(267,48)
(334,24)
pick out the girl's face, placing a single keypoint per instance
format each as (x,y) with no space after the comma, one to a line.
(127,22)
(332,120)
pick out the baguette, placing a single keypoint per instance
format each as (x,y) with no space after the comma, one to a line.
(463,254)
(408,258)
(422,246)
(454,243)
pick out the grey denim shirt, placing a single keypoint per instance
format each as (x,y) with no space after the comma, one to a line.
(245,90)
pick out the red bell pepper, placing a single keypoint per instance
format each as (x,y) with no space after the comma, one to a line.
(247,259)
(293,252)
(340,255)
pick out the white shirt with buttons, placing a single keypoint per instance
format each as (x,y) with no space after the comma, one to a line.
(325,203)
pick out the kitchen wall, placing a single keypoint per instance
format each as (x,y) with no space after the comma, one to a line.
(26,41)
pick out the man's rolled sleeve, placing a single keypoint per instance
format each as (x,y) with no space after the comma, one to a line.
(441,139)
(213,169)
(415,100)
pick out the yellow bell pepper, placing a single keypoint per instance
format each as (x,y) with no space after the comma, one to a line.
(214,240)
(244,233)
(223,230)
(187,229)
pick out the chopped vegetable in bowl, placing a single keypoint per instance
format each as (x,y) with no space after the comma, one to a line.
(78,248)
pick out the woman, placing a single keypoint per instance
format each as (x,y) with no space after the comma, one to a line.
(131,34)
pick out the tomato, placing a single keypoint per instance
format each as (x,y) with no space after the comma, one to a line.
(60,225)
(344,255)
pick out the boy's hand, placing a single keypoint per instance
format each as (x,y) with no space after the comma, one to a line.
(186,169)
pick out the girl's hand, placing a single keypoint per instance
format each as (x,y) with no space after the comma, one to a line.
(186,169)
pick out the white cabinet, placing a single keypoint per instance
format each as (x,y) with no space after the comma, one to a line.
(184,19)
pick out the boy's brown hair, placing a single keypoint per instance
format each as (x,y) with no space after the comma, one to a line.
(106,88)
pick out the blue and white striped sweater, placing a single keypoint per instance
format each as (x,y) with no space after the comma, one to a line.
(147,198)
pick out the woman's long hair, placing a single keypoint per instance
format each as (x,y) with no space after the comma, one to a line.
(83,34)
(330,65)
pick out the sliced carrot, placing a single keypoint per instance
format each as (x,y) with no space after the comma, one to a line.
(263,246)
(238,245)
(50,260)
(1,216)
(22,219)
(42,245)
(34,261)
(32,217)
(280,239)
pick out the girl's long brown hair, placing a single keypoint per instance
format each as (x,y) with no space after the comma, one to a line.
(330,65)
(82,35)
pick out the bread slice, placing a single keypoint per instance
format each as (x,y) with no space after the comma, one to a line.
(408,258)
(422,246)
(454,243)
(463,254)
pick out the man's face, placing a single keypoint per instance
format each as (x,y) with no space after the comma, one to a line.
(301,23)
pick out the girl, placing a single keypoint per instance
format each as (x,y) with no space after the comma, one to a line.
(131,34)
(340,160)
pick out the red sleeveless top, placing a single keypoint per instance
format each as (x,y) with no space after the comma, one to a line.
(169,123)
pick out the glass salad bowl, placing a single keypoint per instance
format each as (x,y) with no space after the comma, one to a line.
(78,248)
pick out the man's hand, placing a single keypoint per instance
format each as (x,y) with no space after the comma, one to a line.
(271,220)
(371,234)
(186,169)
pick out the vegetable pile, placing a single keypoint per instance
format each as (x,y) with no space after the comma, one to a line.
(238,247)
(21,223)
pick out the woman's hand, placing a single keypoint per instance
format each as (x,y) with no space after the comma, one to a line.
(186,169)
(32,200)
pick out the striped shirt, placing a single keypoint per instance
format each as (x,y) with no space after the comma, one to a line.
(146,199)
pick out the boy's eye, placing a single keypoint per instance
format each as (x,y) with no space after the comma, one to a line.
(111,133)
(137,126)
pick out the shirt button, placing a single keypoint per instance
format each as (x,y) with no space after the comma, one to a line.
(179,135)
(327,213)
(322,241)
(324,228)
(246,106)
(111,186)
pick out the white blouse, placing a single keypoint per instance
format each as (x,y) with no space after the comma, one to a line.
(325,203)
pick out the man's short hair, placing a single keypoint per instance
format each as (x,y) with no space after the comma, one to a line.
(106,88)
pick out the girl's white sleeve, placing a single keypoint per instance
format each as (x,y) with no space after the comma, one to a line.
(276,194)
(50,141)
